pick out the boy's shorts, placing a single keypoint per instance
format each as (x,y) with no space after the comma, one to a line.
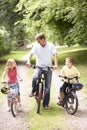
(63,87)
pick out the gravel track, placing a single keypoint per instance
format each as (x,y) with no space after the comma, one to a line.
(72,122)
(78,121)
(7,121)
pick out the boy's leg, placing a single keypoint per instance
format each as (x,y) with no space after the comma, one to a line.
(61,94)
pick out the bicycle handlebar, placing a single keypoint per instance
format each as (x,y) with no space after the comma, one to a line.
(65,77)
(42,68)
(7,82)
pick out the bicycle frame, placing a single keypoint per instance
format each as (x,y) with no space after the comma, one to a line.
(40,86)
(13,99)
(40,80)
(70,100)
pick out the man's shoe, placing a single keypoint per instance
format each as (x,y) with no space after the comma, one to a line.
(31,95)
(46,107)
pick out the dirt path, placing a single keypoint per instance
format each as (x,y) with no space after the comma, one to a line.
(79,120)
(7,121)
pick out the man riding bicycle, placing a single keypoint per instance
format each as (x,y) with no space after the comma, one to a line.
(44,52)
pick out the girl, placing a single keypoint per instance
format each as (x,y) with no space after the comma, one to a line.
(12,74)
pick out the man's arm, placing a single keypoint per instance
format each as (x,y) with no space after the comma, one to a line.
(55,61)
(29,60)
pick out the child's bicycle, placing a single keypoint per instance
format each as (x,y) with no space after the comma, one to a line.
(70,100)
(39,94)
(12,93)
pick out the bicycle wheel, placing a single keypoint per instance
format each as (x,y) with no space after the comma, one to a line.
(40,93)
(71,103)
(13,107)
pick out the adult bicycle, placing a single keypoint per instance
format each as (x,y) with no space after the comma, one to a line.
(40,83)
(70,100)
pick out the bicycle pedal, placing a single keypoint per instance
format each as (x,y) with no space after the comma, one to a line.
(36,97)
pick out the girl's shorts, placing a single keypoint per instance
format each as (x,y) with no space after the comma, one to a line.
(15,86)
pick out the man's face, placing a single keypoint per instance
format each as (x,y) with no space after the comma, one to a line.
(42,42)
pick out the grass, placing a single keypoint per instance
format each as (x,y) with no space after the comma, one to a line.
(1,71)
(79,54)
(51,119)
(17,55)
(83,71)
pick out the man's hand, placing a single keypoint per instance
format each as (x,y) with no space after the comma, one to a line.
(28,65)
(55,67)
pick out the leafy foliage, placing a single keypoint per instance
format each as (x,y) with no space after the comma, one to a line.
(4,42)
(63,21)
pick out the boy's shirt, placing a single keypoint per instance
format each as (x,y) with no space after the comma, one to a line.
(70,73)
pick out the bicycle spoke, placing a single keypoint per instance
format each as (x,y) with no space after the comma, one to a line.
(72,104)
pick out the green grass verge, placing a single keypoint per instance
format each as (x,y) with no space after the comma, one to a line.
(51,119)
(17,55)
(78,53)
(1,71)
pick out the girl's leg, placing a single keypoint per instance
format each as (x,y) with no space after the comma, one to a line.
(8,100)
(18,98)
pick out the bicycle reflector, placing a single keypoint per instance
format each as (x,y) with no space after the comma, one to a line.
(5,89)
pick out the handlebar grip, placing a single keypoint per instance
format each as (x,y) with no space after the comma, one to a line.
(4,82)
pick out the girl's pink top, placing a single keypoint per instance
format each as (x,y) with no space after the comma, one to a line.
(12,75)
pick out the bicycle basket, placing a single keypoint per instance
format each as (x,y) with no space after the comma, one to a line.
(5,89)
(78,86)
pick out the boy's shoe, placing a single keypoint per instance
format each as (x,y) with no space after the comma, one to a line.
(60,102)
(71,107)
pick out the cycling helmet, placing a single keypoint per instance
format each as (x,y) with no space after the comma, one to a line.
(5,89)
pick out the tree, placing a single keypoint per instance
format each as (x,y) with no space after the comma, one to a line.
(63,21)
(5,46)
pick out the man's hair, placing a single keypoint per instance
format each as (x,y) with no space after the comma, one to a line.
(70,59)
(40,36)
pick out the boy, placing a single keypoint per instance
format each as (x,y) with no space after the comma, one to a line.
(70,71)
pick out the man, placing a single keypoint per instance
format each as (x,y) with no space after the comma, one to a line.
(44,52)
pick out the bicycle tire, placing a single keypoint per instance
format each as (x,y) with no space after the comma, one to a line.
(71,103)
(13,107)
(39,98)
